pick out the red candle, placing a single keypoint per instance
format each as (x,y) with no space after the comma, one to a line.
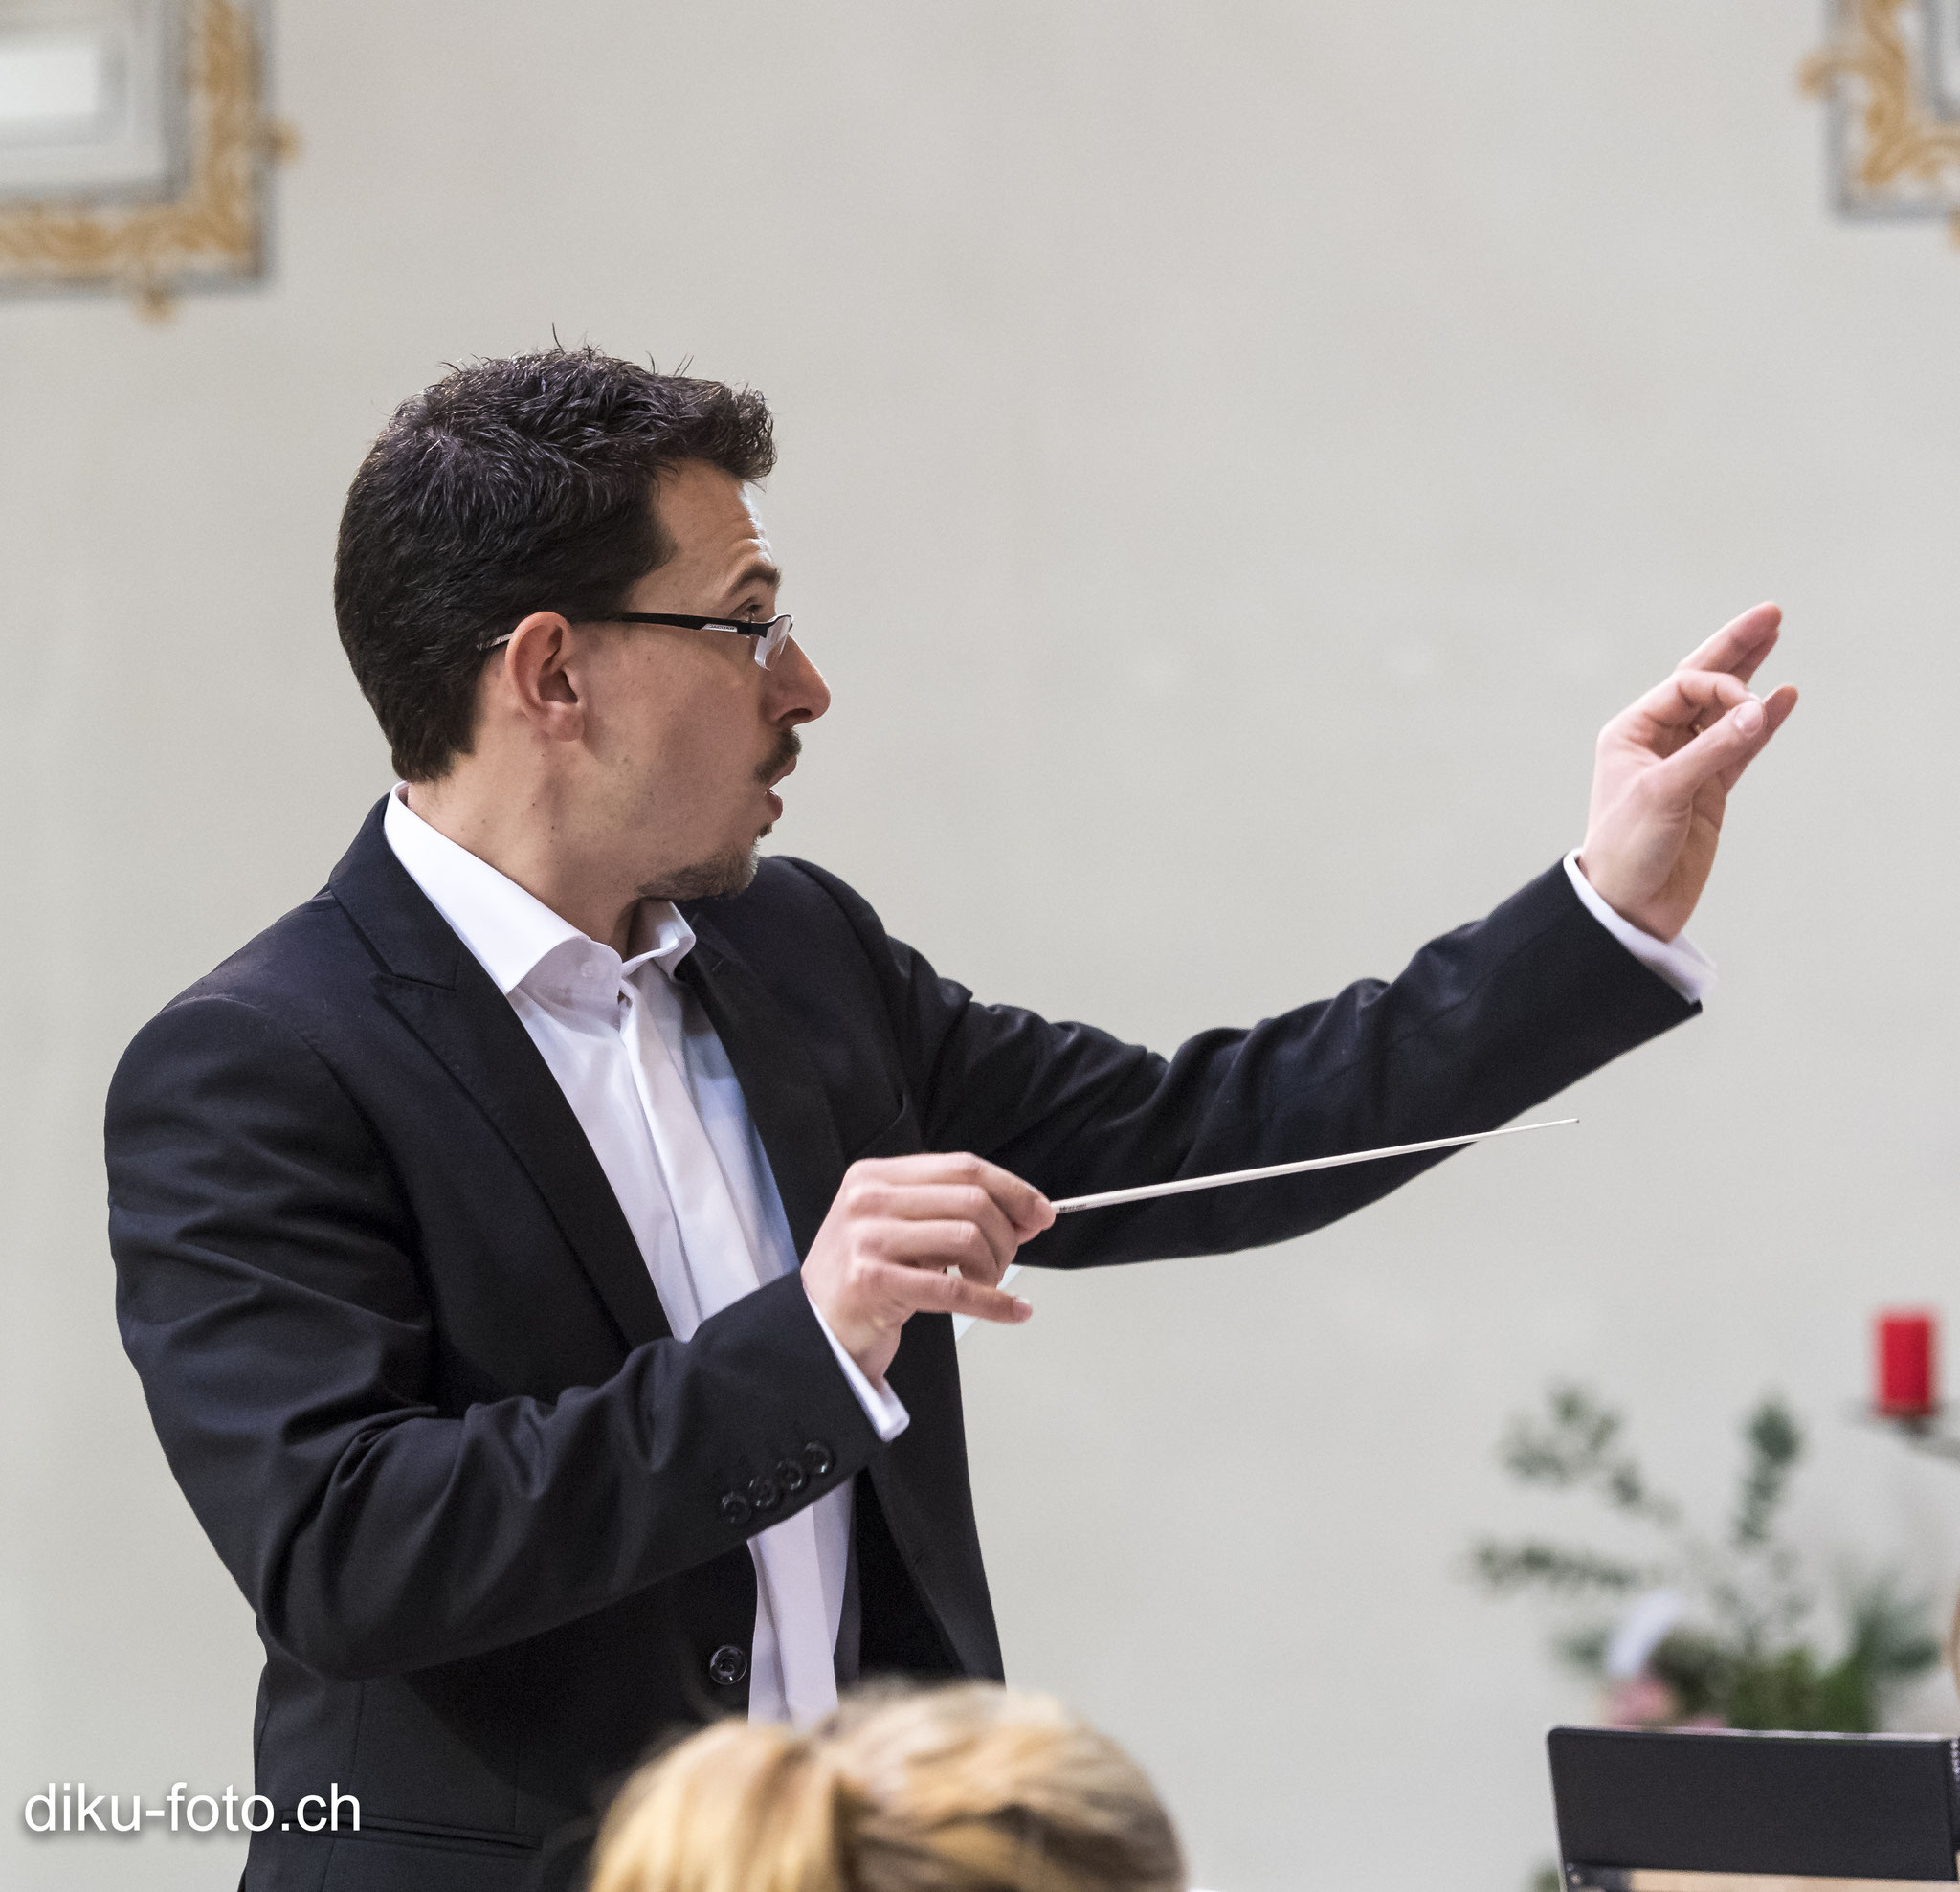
(1907,1387)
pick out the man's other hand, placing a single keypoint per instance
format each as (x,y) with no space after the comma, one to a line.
(898,1224)
(1663,770)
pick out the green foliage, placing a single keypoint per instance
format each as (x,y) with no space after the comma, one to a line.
(1789,1687)
(1583,1647)
(1578,1448)
(1790,1690)
(1746,1664)
(1700,1671)
(1776,1444)
(1521,1566)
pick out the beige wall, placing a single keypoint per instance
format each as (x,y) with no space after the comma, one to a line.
(1234,457)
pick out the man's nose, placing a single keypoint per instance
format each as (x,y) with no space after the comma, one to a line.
(797,686)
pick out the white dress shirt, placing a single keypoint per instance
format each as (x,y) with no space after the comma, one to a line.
(655,1093)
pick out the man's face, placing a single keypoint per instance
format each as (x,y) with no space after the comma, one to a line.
(688,734)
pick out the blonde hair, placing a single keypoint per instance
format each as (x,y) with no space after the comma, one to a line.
(964,1788)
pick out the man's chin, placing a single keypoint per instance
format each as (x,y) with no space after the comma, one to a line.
(713,878)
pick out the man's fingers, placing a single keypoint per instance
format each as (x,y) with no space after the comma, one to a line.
(1023,1205)
(1724,749)
(926,1291)
(898,1225)
(936,1245)
(938,1202)
(1741,645)
(1776,708)
(1683,699)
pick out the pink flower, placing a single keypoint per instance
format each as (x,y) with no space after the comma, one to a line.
(1641,1701)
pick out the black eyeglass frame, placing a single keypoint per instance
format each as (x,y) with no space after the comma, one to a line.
(770,634)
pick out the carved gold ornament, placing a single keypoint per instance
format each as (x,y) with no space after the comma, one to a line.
(1891,77)
(210,227)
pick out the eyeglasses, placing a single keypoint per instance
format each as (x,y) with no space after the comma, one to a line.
(770,634)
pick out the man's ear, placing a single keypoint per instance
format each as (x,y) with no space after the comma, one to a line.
(536,679)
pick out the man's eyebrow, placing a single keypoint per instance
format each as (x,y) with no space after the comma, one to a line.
(757,572)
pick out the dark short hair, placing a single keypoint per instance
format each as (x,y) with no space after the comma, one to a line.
(508,487)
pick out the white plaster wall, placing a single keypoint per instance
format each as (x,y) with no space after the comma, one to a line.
(1233,459)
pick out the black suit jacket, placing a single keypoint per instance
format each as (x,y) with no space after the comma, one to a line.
(407,1363)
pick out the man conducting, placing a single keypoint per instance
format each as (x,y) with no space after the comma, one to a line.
(538,1249)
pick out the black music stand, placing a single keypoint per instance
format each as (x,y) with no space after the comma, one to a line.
(1634,1803)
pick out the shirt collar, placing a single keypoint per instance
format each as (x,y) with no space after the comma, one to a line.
(508,930)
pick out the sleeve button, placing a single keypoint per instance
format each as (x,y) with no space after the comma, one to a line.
(817,1458)
(735,1508)
(762,1493)
(791,1477)
(728,1665)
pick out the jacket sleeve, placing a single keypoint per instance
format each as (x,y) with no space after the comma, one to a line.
(269,1297)
(1482,1024)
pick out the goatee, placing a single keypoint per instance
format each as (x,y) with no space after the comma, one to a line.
(726,874)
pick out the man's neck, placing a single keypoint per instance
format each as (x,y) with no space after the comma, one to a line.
(538,849)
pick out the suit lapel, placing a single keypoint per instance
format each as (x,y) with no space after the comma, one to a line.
(780,1085)
(437,987)
(485,1048)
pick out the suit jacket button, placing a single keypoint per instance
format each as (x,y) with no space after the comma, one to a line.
(728,1665)
(762,1493)
(735,1508)
(791,1477)
(817,1458)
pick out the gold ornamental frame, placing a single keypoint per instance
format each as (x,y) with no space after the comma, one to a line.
(211,229)
(1897,147)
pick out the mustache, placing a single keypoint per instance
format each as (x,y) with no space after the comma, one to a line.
(780,757)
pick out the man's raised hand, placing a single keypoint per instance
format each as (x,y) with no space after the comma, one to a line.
(898,1224)
(1663,768)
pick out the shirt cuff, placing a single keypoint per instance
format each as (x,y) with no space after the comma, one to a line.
(1679,961)
(882,1407)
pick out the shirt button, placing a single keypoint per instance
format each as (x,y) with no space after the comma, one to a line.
(817,1458)
(735,1509)
(728,1665)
